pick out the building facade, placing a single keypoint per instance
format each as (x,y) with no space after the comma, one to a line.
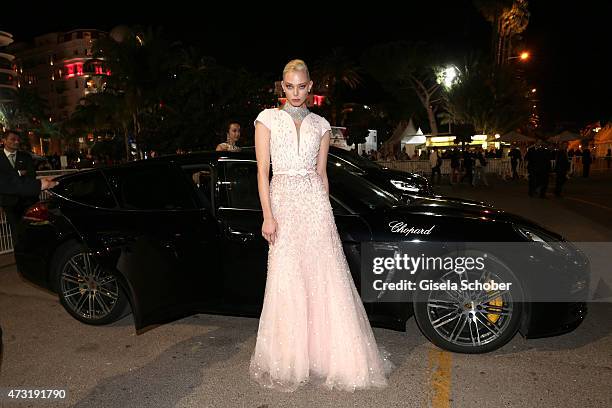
(8,74)
(60,68)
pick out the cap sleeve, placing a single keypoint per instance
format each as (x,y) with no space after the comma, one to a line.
(325,127)
(264,118)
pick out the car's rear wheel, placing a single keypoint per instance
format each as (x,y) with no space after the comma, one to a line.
(471,321)
(89,292)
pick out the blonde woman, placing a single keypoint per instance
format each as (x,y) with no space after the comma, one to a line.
(313,325)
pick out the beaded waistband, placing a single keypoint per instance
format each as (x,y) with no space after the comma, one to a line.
(294,172)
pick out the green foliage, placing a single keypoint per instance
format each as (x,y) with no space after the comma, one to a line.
(333,76)
(167,96)
(409,72)
(492,100)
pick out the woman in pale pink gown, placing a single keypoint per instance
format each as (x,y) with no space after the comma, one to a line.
(313,325)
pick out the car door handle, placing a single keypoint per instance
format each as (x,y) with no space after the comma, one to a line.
(242,236)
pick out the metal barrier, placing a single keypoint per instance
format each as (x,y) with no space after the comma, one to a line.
(501,167)
(6,238)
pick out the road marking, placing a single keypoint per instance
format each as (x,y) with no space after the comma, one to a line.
(590,203)
(439,377)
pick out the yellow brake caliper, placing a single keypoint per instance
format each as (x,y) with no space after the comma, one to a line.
(496,303)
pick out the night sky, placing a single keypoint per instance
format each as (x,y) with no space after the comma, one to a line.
(569,41)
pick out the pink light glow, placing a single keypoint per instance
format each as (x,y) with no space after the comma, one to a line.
(69,70)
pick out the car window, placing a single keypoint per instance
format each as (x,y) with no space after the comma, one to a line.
(238,186)
(89,188)
(150,188)
(202,178)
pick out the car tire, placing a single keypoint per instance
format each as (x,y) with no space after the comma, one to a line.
(89,293)
(485,332)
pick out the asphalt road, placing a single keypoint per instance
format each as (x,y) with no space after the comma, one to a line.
(202,361)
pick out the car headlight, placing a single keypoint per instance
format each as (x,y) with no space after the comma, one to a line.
(402,185)
(546,241)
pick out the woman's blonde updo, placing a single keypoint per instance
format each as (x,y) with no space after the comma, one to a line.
(296,65)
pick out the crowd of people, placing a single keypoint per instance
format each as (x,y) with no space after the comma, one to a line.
(425,154)
(470,165)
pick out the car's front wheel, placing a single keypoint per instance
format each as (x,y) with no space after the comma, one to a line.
(471,321)
(89,292)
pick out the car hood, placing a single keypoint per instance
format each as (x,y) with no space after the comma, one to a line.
(456,202)
(456,218)
(450,206)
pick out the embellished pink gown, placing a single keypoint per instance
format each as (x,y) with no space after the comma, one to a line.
(313,326)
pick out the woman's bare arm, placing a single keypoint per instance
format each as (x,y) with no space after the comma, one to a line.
(262,152)
(322,160)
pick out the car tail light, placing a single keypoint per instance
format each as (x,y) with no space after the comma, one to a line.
(37,213)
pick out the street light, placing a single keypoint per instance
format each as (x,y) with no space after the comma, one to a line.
(523,56)
(447,76)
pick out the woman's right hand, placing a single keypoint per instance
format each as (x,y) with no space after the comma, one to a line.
(268,230)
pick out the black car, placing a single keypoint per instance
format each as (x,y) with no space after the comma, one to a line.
(178,235)
(406,186)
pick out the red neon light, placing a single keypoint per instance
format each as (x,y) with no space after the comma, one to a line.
(69,70)
(318,100)
(79,68)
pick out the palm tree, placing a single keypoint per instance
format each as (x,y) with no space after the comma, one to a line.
(144,66)
(508,19)
(102,112)
(333,73)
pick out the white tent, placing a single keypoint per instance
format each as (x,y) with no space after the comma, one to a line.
(565,136)
(515,137)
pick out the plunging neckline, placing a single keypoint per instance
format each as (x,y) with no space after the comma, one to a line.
(297,131)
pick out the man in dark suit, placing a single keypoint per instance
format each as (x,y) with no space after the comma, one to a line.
(16,186)
(15,163)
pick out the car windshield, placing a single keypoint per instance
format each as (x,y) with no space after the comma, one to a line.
(341,155)
(356,192)
(355,159)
